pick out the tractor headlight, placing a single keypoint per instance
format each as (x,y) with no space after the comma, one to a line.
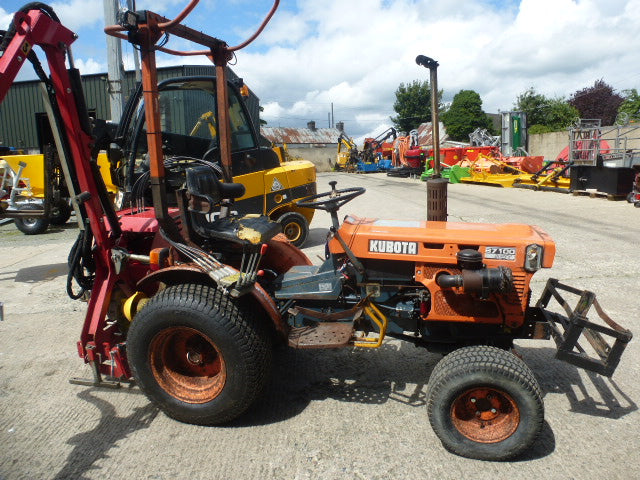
(533,258)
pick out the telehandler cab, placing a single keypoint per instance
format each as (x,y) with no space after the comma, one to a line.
(189,301)
(190,130)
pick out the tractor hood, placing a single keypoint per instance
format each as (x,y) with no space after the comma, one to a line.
(411,240)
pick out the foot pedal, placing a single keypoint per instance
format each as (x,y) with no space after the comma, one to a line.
(322,335)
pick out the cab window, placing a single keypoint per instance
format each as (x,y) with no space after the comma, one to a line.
(241,137)
(189,122)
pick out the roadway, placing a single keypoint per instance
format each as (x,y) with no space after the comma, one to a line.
(335,414)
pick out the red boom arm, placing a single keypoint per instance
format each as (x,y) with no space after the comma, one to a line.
(36,27)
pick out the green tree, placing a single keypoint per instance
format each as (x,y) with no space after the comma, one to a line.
(545,114)
(533,104)
(465,115)
(560,114)
(413,105)
(631,104)
(262,122)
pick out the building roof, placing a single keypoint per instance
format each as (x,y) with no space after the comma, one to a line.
(425,134)
(300,135)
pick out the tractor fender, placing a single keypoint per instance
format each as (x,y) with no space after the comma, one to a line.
(282,255)
(172,276)
(178,274)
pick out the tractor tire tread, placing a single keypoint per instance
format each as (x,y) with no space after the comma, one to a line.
(249,335)
(482,355)
(492,363)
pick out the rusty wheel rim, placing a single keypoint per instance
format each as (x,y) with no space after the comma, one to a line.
(293,231)
(485,415)
(187,365)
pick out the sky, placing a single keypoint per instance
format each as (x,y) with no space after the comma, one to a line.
(355,53)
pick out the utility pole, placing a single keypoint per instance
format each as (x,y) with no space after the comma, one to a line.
(115,71)
(331,122)
(131,5)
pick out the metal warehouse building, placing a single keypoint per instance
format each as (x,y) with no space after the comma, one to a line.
(22,112)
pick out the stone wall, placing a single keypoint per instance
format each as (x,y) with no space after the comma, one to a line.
(548,145)
(323,157)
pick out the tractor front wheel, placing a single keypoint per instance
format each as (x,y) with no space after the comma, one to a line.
(485,403)
(197,355)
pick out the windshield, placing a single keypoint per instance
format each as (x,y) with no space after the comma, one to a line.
(189,122)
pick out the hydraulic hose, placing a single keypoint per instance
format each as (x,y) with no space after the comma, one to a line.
(80,261)
(7,36)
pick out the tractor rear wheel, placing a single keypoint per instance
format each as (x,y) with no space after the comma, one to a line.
(197,355)
(485,403)
(295,227)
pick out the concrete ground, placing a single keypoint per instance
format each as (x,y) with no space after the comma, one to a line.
(335,414)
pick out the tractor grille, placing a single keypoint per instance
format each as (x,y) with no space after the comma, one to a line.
(450,304)
(516,296)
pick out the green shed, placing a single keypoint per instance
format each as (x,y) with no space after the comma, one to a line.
(23,109)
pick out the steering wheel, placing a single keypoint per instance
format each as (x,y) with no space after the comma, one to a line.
(210,154)
(331,201)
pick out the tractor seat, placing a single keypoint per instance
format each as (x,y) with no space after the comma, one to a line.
(204,192)
(250,229)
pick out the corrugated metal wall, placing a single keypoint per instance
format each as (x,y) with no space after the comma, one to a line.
(17,115)
(24,100)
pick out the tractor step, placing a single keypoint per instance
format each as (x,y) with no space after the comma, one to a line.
(322,335)
(331,333)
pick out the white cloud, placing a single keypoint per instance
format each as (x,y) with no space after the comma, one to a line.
(78,14)
(272,110)
(5,19)
(88,66)
(285,29)
(160,6)
(356,54)
(374,132)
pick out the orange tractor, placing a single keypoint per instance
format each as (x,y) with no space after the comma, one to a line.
(189,301)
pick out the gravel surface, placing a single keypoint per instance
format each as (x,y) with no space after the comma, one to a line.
(326,414)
